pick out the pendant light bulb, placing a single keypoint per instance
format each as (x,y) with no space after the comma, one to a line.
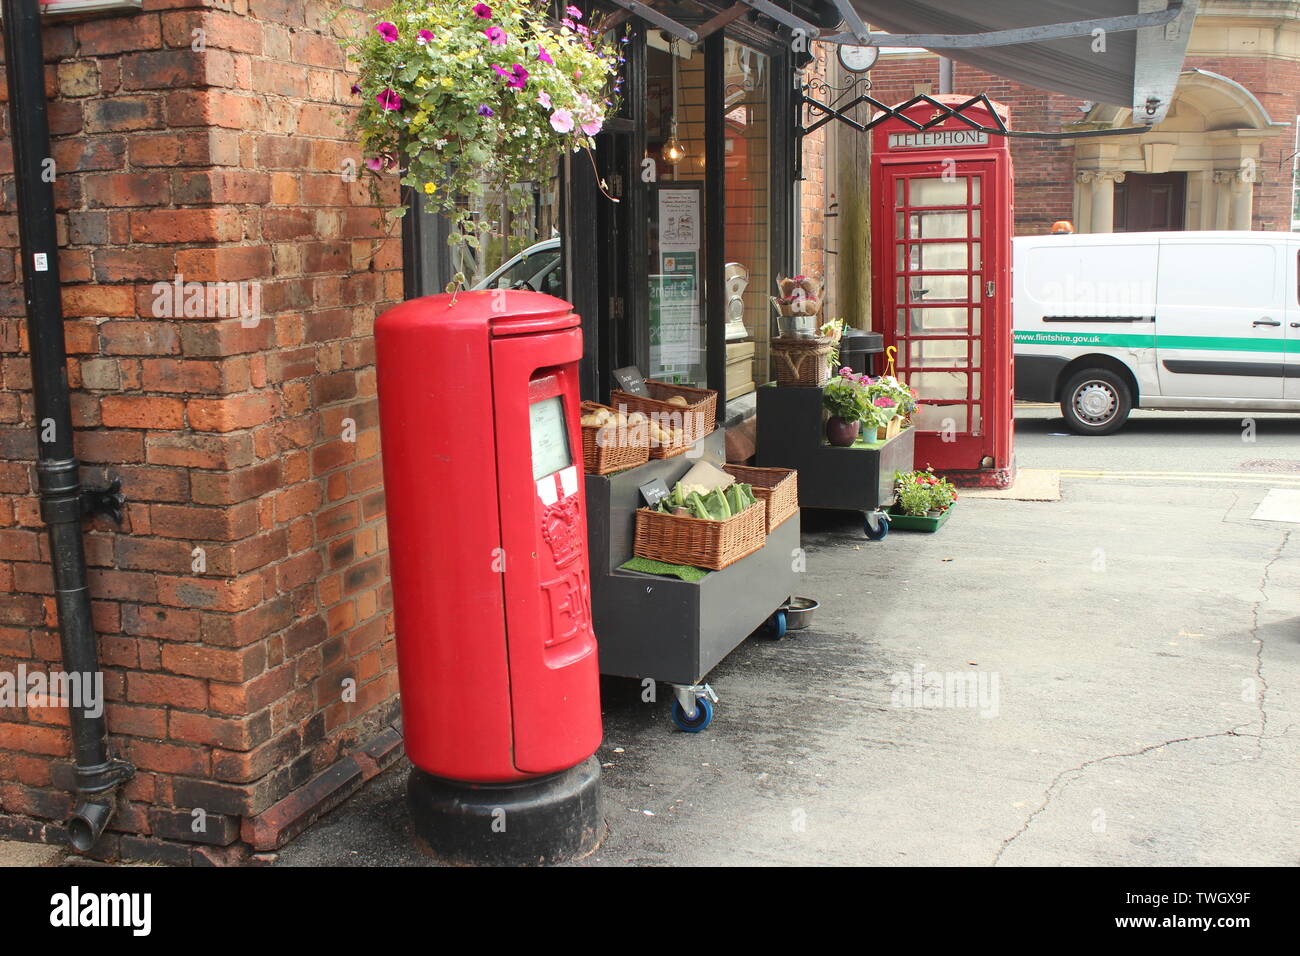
(674,152)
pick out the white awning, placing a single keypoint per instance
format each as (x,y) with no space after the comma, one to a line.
(1076,47)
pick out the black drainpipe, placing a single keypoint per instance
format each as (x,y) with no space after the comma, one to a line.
(63,500)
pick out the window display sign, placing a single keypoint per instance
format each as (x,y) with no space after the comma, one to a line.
(676,282)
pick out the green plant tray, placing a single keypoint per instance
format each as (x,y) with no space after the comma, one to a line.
(902,522)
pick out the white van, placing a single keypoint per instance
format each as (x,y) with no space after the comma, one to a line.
(1108,322)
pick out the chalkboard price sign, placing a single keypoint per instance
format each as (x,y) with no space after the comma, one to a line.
(654,491)
(631,380)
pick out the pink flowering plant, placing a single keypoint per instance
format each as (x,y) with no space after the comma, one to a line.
(457,96)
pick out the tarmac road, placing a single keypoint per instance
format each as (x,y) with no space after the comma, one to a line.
(1133,653)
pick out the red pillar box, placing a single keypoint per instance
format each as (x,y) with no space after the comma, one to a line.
(941,250)
(478,404)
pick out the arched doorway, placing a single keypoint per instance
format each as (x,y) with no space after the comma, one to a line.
(1195,170)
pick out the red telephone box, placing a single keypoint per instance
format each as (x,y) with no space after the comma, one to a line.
(478,399)
(941,252)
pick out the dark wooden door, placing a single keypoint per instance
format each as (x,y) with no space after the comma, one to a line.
(1150,202)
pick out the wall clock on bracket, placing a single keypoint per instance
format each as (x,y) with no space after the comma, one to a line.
(858,59)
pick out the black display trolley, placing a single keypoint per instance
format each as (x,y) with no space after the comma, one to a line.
(857,478)
(667,629)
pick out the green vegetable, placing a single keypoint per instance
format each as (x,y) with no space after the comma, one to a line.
(698,508)
(718,505)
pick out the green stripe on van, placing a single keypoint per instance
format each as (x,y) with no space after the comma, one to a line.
(1147,341)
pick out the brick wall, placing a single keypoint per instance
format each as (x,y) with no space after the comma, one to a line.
(1044,170)
(206,140)
(812,191)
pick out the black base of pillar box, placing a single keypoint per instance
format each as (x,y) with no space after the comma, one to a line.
(552,819)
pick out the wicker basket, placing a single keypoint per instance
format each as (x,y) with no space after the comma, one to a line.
(777,488)
(698,417)
(697,541)
(802,361)
(600,456)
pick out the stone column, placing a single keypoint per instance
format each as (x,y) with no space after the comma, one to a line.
(1102,184)
(1234,197)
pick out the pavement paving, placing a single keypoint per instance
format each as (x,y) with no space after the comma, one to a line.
(1131,652)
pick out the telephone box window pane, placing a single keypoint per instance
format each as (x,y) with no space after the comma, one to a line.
(975,255)
(940,257)
(975,190)
(900,225)
(975,420)
(939,192)
(974,223)
(975,386)
(550,437)
(940,321)
(975,321)
(940,288)
(939,385)
(902,321)
(900,186)
(937,353)
(940,417)
(938,225)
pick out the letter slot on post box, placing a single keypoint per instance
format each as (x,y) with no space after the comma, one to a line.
(478,405)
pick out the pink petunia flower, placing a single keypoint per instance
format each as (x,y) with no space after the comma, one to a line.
(562,121)
(389,100)
(423,37)
(496,36)
(387,31)
(573,11)
(375,164)
(520,79)
(544,56)
(545,99)
(482,11)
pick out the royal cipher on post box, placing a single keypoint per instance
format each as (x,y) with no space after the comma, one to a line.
(941,251)
(478,403)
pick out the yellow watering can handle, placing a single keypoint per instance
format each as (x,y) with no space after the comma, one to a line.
(889,355)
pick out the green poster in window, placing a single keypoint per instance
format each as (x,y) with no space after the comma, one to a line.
(674,320)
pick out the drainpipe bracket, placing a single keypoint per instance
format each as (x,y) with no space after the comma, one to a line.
(105,776)
(105,500)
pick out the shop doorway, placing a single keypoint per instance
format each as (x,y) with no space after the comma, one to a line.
(1150,202)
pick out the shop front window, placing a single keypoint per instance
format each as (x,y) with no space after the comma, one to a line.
(675,271)
(747,183)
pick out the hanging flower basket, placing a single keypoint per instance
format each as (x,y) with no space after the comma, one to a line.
(457,95)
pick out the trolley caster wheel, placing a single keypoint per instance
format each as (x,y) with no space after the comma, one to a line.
(774,629)
(703,715)
(877,531)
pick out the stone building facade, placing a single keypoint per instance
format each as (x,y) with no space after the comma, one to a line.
(1223,159)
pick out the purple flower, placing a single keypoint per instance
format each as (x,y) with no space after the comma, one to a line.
(423,37)
(884,401)
(573,11)
(355,89)
(387,31)
(485,110)
(520,77)
(482,11)
(389,100)
(375,164)
(544,56)
(496,36)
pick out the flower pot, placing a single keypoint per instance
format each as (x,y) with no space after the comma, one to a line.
(841,433)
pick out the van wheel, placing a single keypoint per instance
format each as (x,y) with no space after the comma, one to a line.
(1096,402)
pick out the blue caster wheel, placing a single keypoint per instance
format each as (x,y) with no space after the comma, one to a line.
(703,715)
(877,531)
(774,629)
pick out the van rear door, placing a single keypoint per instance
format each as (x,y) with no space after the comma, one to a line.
(1291,287)
(1219,319)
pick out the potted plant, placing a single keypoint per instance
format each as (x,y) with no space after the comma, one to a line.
(457,96)
(924,500)
(845,398)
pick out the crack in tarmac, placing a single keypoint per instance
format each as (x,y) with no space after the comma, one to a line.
(1059,782)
